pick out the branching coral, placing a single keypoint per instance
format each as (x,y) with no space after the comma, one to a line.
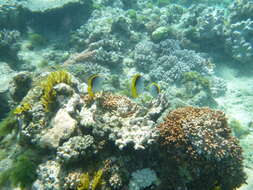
(49,93)
(200,139)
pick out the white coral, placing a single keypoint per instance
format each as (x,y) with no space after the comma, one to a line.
(142,179)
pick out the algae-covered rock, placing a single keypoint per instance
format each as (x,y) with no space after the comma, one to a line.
(47,5)
(6,74)
(160,33)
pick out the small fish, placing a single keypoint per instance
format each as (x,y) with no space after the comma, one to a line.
(154,89)
(94,84)
(137,86)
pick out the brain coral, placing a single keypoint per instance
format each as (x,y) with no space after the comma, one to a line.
(199,142)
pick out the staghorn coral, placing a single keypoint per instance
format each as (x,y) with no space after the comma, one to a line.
(48,84)
(199,140)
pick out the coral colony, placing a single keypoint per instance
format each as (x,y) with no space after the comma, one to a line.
(125,95)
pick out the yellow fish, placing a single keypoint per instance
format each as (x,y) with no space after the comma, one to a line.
(94,84)
(154,89)
(137,85)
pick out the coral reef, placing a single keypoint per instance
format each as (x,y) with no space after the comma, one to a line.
(76,147)
(126,123)
(48,173)
(111,141)
(171,62)
(9,44)
(238,42)
(199,140)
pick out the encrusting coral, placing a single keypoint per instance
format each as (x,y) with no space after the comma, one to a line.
(199,142)
(49,93)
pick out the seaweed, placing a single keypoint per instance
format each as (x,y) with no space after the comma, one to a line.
(196,77)
(86,184)
(23,171)
(4,177)
(8,124)
(97,180)
(49,94)
(37,40)
(22,108)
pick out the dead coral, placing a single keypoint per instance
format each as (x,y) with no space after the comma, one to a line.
(78,57)
(200,140)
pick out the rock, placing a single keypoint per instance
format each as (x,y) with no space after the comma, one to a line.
(160,33)
(6,74)
(20,85)
(47,5)
(63,126)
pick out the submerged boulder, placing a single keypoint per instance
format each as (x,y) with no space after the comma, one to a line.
(48,5)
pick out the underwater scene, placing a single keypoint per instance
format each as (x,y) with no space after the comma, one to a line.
(126,94)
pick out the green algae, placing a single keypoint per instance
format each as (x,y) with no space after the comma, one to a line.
(37,40)
(196,77)
(22,173)
(8,124)
(94,184)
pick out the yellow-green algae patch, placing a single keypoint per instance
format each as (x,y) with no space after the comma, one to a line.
(48,84)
